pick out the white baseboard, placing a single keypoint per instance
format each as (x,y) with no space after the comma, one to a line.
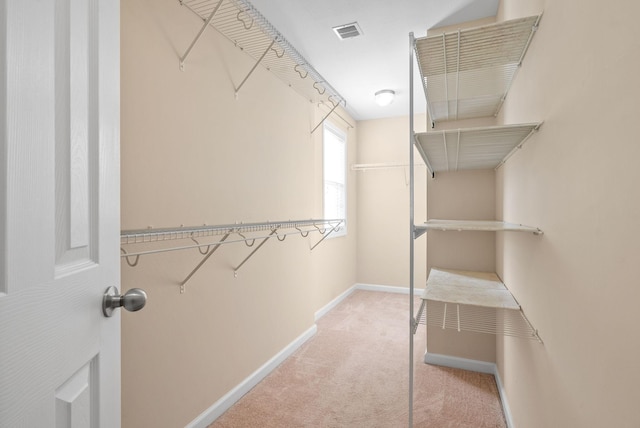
(459,363)
(332,304)
(503,399)
(223,404)
(367,287)
(475,366)
(388,289)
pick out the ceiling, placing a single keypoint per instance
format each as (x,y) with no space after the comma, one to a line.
(378,59)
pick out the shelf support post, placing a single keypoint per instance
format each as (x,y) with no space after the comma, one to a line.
(411,227)
(206,23)
(255,65)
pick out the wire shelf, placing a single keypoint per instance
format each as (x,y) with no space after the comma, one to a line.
(477,225)
(468,73)
(241,23)
(472,148)
(142,236)
(172,239)
(473,301)
(478,319)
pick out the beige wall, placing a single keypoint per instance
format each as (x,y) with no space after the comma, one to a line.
(383,204)
(577,179)
(462,195)
(193,154)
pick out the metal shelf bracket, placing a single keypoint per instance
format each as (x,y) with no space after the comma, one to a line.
(266,51)
(255,250)
(204,26)
(333,229)
(202,262)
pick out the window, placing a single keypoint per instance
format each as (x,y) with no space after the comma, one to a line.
(334,147)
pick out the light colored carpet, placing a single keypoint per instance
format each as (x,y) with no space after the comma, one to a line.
(354,373)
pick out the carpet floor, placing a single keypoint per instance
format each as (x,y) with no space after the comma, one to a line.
(354,373)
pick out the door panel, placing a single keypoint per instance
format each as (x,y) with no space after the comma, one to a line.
(76,400)
(59,206)
(76,72)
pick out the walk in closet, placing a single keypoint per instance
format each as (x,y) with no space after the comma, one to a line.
(466,74)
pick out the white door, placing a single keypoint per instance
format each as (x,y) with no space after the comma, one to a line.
(59,213)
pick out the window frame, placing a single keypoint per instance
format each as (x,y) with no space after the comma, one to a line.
(341,136)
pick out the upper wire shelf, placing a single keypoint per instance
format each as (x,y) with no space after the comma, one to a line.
(241,23)
(468,73)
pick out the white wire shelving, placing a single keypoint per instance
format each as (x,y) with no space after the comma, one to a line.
(473,301)
(475,225)
(142,242)
(472,148)
(468,73)
(241,23)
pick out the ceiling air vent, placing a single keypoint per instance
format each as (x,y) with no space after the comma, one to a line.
(348,31)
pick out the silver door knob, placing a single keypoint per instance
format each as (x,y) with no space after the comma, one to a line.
(133,300)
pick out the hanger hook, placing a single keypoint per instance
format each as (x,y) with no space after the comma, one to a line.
(198,247)
(244,24)
(319,89)
(126,258)
(300,73)
(322,231)
(276,52)
(246,240)
(301,233)
(283,237)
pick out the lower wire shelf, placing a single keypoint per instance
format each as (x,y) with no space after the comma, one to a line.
(472,301)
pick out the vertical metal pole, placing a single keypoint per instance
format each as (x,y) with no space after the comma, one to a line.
(411,228)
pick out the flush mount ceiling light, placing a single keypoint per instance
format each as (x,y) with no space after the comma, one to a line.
(384,97)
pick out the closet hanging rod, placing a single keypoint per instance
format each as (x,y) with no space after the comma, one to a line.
(384,165)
